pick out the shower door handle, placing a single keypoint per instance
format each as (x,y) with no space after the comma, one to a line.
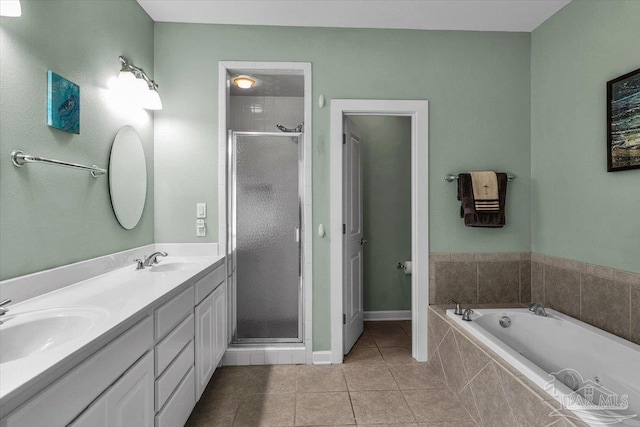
(297,234)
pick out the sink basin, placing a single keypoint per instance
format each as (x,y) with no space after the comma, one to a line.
(168,266)
(26,334)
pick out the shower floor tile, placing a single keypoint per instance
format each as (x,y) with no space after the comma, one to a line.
(379,382)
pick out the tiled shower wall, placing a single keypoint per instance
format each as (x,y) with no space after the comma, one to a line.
(263,113)
(603,297)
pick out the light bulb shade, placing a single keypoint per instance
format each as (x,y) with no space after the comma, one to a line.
(10,8)
(128,82)
(152,100)
(244,82)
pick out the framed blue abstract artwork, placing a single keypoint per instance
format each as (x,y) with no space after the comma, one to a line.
(63,110)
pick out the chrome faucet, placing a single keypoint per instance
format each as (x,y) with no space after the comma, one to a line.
(458,309)
(467,315)
(538,309)
(4,310)
(153,258)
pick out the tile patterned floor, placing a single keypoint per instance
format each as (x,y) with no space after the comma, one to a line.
(378,384)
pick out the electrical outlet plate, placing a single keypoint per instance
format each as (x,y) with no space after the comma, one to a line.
(201,229)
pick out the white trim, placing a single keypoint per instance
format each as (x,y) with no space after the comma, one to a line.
(419,113)
(303,68)
(376,316)
(322,358)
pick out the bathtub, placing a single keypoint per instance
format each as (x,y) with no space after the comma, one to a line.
(567,358)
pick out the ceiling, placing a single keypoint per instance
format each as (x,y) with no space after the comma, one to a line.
(469,15)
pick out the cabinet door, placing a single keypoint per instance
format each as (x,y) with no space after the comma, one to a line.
(220,322)
(130,400)
(205,343)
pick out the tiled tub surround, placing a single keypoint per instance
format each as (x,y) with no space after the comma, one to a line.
(492,391)
(603,297)
(480,278)
(600,296)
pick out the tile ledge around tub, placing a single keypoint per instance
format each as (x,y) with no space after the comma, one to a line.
(440,311)
(623,276)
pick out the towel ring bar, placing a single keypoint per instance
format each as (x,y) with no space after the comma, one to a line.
(451,177)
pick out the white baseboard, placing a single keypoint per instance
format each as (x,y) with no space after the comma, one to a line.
(322,357)
(374,316)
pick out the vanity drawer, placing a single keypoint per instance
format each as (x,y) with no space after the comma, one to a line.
(166,384)
(208,283)
(173,343)
(177,410)
(172,312)
(61,402)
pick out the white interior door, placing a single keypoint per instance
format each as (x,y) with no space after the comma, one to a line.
(352,235)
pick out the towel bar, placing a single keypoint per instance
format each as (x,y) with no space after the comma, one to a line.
(451,177)
(19,159)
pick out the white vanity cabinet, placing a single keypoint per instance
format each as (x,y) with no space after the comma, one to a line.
(128,402)
(98,374)
(211,326)
(151,375)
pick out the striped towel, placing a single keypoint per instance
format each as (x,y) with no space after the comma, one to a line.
(485,191)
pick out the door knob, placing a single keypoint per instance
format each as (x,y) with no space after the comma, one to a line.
(363,241)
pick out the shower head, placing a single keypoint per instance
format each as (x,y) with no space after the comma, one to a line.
(299,128)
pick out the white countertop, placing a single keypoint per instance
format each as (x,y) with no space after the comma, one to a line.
(119,298)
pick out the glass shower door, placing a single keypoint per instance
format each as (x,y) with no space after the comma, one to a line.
(266,228)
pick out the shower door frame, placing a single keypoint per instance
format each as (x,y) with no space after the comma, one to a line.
(232,223)
(224,85)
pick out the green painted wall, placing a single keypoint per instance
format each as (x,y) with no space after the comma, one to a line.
(579,211)
(386,178)
(478,85)
(55,216)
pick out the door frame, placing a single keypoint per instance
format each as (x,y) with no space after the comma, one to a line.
(418,110)
(224,85)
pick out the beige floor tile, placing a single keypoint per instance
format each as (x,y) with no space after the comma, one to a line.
(398,355)
(333,408)
(435,405)
(365,340)
(389,425)
(413,377)
(376,407)
(406,326)
(385,325)
(391,338)
(271,379)
(228,380)
(320,379)
(363,355)
(361,378)
(214,411)
(266,410)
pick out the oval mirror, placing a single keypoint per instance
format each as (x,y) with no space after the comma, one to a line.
(127,177)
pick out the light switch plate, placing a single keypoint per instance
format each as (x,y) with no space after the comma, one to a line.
(201,210)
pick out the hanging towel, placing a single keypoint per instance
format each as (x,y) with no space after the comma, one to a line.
(485,190)
(481,218)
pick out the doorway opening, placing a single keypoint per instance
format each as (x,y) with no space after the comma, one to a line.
(345,319)
(377,216)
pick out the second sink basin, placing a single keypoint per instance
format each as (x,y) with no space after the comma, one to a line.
(26,334)
(166,266)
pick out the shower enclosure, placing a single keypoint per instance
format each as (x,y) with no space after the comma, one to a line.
(265,220)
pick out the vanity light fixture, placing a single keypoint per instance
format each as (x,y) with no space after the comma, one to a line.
(10,8)
(244,82)
(135,81)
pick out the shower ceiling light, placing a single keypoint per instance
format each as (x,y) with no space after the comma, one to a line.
(10,8)
(244,82)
